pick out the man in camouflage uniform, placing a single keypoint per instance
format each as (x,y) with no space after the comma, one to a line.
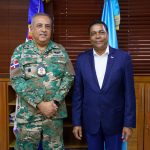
(41,74)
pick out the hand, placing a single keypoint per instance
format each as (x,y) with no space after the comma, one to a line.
(47,108)
(126,133)
(77,131)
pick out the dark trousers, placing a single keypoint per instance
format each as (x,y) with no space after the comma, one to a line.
(96,141)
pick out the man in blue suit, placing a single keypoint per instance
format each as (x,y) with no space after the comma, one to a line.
(103,103)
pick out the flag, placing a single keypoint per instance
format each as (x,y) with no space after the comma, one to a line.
(111,17)
(14,65)
(111,12)
(35,6)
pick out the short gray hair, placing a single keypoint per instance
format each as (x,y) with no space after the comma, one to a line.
(40,14)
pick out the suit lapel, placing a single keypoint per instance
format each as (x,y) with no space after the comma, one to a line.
(92,66)
(109,67)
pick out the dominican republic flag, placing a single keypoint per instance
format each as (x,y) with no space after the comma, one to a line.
(35,6)
(14,65)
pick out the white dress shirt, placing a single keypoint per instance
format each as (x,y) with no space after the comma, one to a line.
(100,62)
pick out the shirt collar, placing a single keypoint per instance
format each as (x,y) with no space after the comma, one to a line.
(105,53)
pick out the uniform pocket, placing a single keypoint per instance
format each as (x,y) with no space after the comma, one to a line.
(30,68)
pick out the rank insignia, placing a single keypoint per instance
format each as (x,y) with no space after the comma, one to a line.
(57,53)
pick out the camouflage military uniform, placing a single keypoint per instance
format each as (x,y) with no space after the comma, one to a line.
(33,87)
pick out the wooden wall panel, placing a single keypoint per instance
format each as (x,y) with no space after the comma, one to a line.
(136,142)
(3,118)
(147,118)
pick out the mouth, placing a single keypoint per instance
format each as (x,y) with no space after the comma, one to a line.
(43,35)
(99,42)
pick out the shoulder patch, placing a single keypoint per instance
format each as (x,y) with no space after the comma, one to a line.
(14,65)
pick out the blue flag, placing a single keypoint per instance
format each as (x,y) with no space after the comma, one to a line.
(111,17)
(35,6)
(110,12)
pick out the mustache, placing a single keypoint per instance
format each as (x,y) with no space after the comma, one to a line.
(43,34)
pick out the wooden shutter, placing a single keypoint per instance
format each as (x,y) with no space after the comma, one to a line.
(134,34)
(71,21)
(13,28)
(72,17)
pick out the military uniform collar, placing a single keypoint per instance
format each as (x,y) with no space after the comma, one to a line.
(51,45)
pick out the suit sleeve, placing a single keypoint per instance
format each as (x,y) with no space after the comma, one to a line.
(77,98)
(130,106)
(31,90)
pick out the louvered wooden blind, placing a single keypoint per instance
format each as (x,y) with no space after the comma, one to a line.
(71,21)
(72,17)
(13,28)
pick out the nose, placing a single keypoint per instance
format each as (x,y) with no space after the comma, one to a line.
(43,28)
(98,35)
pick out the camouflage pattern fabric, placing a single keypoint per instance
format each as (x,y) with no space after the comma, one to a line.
(34,86)
(28,135)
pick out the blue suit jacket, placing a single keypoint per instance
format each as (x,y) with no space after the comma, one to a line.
(112,106)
